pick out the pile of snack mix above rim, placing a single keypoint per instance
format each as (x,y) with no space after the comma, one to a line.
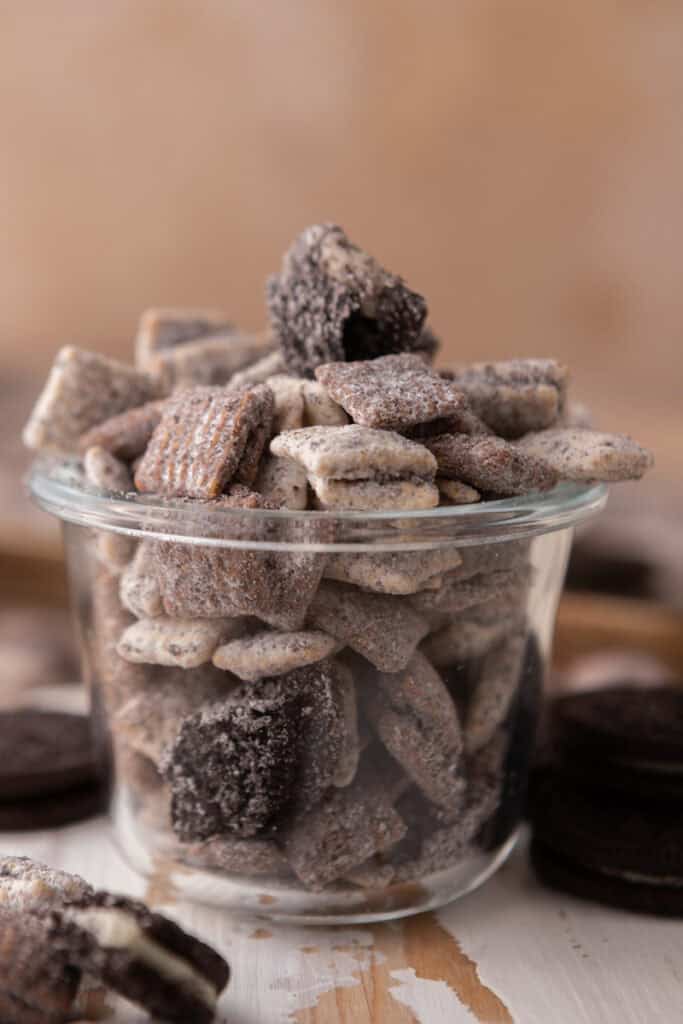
(261,766)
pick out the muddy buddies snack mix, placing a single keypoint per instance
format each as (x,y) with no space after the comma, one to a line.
(310,670)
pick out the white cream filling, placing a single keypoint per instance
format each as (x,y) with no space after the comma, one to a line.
(116,929)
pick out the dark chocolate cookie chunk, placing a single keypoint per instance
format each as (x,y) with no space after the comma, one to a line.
(605,833)
(637,893)
(622,722)
(53,810)
(148,958)
(233,766)
(332,302)
(43,752)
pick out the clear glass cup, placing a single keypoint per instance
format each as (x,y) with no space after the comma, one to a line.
(372,765)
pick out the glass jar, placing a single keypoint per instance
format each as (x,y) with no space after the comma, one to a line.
(314,716)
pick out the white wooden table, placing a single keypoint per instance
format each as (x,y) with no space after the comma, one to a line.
(511,952)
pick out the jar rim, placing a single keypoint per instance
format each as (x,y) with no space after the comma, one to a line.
(58,486)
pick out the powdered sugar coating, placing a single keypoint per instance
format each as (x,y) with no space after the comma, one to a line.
(355,453)
(127,434)
(104,470)
(139,590)
(206,438)
(392,392)
(373,495)
(206,361)
(491,464)
(393,572)
(584,455)
(282,482)
(187,643)
(269,653)
(161,329)
(494,692)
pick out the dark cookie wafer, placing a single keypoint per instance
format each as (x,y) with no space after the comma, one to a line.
(331,301)
(491,464)
(54,810)
(609,835)
(638,893)
(125,435)
(206,438)
(391,392)
(43,752)
(623,722)
(39,976)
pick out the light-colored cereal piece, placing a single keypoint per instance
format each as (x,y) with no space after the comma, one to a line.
(319,409)
(393,572)
(345,830)
(150,721)
(186,643)
(494,692)
(114,550)
(468,637)
(456,492)
(284,482)
(355,453)
(516,395)
(139,590)
(252,858)
(207,437)
(206,361)
(163,329)
(82,390)
(577,415)
(456,594)
(260,371)
(105,471)
(127,434)
(491,464)
(349,756)
(394,392)
(289,402)
(269,653)
(384,629)
(373,496)
(576,454)
(28,883)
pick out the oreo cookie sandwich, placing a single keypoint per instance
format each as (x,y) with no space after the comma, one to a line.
(48,771)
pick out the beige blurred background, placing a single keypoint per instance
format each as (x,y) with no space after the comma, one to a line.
(519,162)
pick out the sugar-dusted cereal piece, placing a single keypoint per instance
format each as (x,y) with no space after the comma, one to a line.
(319,409)
(150,721)
(515,396)
(385,630)
(117,678)
(577,415)
(401,572)
(577,454)
(183,642)
(282,482)
(253,858)
(82,390)
(393,392)
(25,883)
(491,464)
(373,495)
(270,653)
(206,438)
(104,470)
(233,767)
(331,301)
(127,434)
(457,493)
(349,755)
(208,361)
(494,692)
(345,830)
(456,594)
(114,551)
(160,330)
(259,372)
(139,589)
(355,453)
(275,586)
(496,557)
(417,721)
(468,637)
(289,402)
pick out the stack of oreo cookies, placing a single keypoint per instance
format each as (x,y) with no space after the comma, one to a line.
(607,798)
